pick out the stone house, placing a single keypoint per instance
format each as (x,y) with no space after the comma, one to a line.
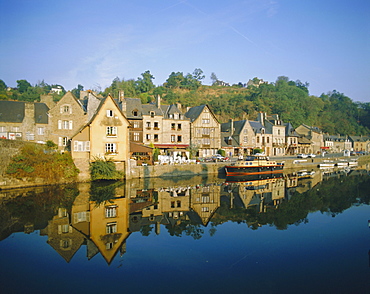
(237,138)
(313,134)
(26,121)
(66,118)
(104,136)
(291,140)
(205,130)
(360,143)
(337,143)
(262,138)
(276,127)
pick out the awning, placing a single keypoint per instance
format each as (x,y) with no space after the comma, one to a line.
(172,146)
(324,147)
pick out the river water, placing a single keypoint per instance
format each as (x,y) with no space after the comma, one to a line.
(302,232)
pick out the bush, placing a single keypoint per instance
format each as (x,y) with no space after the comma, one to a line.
(104,170)
(34,161)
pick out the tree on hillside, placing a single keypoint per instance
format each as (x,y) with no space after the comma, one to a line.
(145,83)
(214,79)
(22,86)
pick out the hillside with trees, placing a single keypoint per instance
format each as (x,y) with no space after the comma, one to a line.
(332,112)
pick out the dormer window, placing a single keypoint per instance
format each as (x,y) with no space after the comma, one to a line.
(152,114)
(109,113)
(262,131)
(135,112)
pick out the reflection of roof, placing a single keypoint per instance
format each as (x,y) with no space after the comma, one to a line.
(182,146)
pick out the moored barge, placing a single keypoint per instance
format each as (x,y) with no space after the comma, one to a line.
(256,164)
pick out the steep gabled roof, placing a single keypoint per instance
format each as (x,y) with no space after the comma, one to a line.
(290,131)
(194,112)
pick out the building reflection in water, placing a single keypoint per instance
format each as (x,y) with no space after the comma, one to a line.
(102,217)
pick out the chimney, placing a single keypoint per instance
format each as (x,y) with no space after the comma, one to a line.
(121,95)
(261,118)
(158,101)
(231,126)
(179,106)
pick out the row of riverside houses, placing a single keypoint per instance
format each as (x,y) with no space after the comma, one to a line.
(94,127)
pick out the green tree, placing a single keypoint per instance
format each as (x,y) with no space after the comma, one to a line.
(145,83)
(22,86)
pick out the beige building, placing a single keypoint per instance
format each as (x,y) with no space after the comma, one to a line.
(205,130)
(104,136)
(237,138)
(313,134)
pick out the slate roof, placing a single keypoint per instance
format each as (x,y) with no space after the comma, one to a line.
(148,108)
(257,127)
(194,112)
(131,105)
(290,131)
(14,112)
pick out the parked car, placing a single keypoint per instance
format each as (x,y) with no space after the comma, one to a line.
(311,155)
(302,155)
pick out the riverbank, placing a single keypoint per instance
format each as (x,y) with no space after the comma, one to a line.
(188,171)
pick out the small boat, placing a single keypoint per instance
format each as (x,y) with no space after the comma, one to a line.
(256,164)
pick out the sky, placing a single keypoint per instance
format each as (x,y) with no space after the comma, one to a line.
(69,42)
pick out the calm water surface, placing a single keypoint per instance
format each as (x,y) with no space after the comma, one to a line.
(304,232)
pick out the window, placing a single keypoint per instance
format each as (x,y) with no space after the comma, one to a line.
(156,137)
(112,131)
(148,125)
(111,228)
(110,148)
(258,140)
(179,138)
(136,137)
(136,125)
(245,139)
(206,141)
(64,229)
(206,131)
(156,125)
(40,131)
(15,129)
(173,126)
(148,137)
(82,216)
(179,127)
(268,140)
(178,203)
(278,131)
(80,146)
(111,211)
(173,137)
(205,199)
(109,113)
(172,204)
(205,118)
(65,109)
(63,141)
(205,209)
(109,245)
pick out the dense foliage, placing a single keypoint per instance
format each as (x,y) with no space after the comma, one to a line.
(34,161)
(332,112)
(104,170)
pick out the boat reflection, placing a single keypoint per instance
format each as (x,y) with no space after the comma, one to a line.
(102,217)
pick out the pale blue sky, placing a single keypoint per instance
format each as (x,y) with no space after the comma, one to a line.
(325,43)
